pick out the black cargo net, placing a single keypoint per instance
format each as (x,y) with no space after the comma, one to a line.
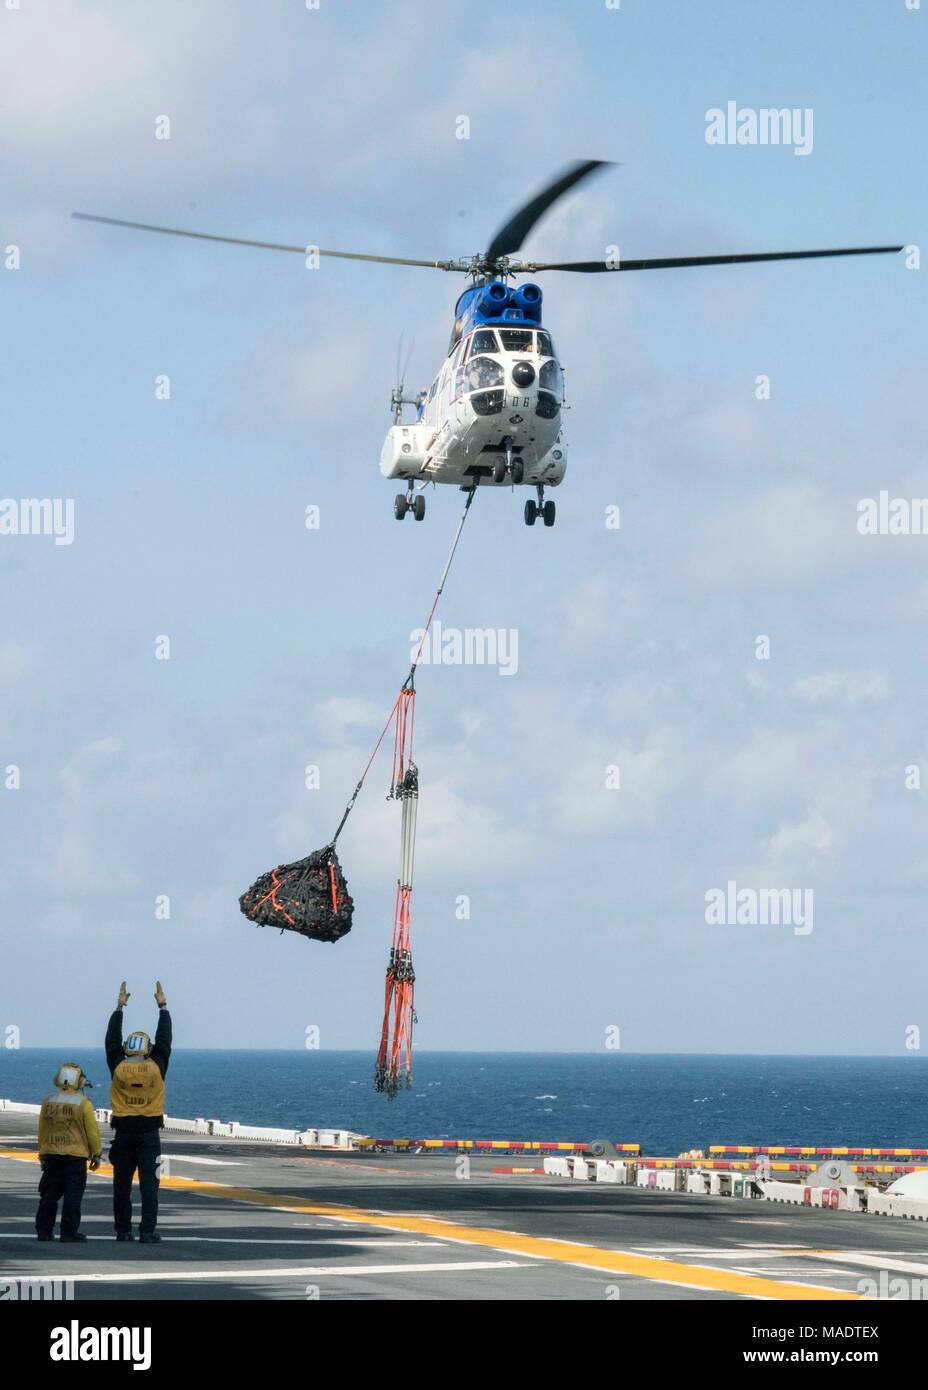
(309,896)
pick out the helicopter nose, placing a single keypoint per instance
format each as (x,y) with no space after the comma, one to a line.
(523,373)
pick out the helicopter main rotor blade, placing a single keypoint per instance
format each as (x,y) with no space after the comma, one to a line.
(263,245)
(511,236)
(671,262)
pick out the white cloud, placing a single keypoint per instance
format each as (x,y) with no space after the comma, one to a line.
(783,537)
(24,668)
(84,83)
(458,832)
(803,841)
(78,863)
(648,775)
(341,714)
(104,789)
(831,686)
(764,766)
(105,774)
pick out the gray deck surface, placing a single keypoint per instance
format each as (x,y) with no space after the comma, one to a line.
(229,1247)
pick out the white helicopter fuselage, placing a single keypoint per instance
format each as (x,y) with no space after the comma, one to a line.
(496,402)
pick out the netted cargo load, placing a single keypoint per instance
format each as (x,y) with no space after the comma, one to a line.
(309,896)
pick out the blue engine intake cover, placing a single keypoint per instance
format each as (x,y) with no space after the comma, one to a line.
(496,301)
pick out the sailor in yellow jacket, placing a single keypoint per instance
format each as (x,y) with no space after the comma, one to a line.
(137,1066)
(68,1140)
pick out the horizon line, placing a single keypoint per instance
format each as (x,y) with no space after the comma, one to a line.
(493,1052)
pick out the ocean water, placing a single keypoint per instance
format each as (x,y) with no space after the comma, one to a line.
(666,1103)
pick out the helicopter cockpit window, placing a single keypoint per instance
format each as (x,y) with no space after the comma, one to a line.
(482,372)
(551,378)
(487,402)
(484,340)
(545,345)
(516,339)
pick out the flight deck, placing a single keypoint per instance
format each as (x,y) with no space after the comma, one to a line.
(241,1220)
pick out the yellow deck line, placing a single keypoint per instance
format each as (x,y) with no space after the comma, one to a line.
(510,1242)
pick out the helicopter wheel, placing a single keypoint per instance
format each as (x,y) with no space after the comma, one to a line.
(400,506)
(418,508)
(518,471)
(549,512)
(531,512)
(499,471)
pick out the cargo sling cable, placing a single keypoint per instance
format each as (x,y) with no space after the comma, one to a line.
(310,896)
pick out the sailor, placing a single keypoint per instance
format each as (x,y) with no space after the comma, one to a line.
(68,1138)
(137,1099)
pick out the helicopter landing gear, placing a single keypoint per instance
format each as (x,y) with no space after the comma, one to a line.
(403,504)
(512,465)
(546,510)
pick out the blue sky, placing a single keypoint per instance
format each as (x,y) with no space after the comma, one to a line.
(636,647)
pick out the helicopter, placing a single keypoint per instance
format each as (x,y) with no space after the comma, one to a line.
(492,415)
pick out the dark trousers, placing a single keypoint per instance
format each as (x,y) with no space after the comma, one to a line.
(129,1152)
(63,1180)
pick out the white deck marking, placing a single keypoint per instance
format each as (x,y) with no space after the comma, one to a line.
(889,1261)
(320,1240)
(212,1162)
(762,1220)
(724,1251)
(449,1268)
(283,1272)
(869,1261)
(170,1238)
(794,1273)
